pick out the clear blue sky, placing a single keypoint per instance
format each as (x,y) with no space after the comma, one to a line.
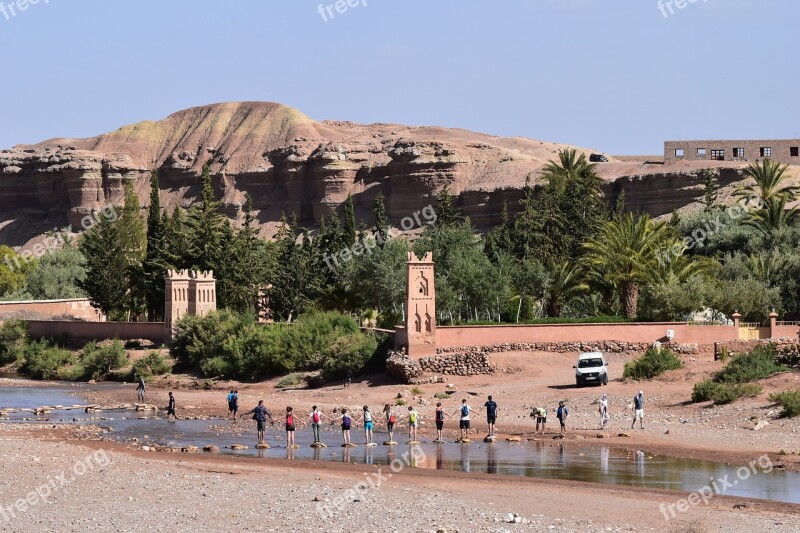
(616,75)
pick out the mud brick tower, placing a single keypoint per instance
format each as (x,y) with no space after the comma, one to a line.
(187,293)
(420,306)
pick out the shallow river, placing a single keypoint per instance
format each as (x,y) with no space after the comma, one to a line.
(533,459)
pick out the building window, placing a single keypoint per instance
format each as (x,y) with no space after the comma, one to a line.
(794,151)
(766,151)
(701,152)
(678,152)
(738,153)
(718,155)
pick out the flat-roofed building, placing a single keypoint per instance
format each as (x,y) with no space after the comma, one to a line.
(781,150)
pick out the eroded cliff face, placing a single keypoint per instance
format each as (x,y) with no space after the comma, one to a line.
(288,162)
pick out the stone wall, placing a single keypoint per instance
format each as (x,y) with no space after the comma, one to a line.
(737,347)
(459,364)
(781,150)
(567,347)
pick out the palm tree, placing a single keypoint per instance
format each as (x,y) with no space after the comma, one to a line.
(566,283)
(624,254)
(369,318)
(773,216)
(570,166)
(770,177)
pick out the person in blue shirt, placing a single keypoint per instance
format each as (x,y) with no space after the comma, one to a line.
(562,415)
(260,414)
(491,414)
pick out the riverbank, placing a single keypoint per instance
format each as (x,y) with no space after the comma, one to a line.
(137,491)
(673,426)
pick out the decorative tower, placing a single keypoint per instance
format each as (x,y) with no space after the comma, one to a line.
(420,306)
(202,293)
(176,299)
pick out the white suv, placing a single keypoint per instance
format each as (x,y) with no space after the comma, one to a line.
(591,368)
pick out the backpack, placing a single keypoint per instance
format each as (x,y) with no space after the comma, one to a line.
(465,410)
(315,417)
(392,419)
(412,417)
(440,415)
(289,420)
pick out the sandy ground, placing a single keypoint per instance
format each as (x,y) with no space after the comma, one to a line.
(102,486)
(673,426)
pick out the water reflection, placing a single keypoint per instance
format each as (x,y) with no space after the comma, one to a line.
(539,458)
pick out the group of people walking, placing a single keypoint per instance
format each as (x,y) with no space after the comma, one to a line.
(391,416)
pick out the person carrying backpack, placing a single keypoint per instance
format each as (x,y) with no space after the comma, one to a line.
(413,423)
(369,424)
(562,415)
(229,400)
(391,419)
(260,414)
(316,420)
(439,422)
(463,423)
(491,414)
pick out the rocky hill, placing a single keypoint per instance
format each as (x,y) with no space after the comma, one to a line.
(289,162)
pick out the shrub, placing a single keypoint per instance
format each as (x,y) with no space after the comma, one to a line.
(227,345)
(43,360)
(752,366)
(725,393)
(703,391)
(789,401)
(151,365)
(13,338)
(215,367)
(348,353)
(441,395)
(416,391)
(98,361)
(292,380)
(654,362)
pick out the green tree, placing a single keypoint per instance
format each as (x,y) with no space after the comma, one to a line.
(154,267)
(382,222)
(58,275)
(349,230)
(105,282)
(565,283)
(447,214)
(624,254)
(13,269)
(711,190)
(206,229)
(770,182)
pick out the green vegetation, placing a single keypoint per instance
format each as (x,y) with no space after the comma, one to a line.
(151,365)
(292,380)
(225,344)
(43,360)
(441,395)
(416,391)
(13,339)
(736,379)
(789,401)
(746,368)
(654,362)
(562,253)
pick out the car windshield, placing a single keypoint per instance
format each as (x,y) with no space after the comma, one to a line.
(590,363)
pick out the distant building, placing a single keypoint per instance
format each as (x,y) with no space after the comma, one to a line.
(784,151)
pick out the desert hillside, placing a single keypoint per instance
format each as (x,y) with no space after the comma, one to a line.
(289,162)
